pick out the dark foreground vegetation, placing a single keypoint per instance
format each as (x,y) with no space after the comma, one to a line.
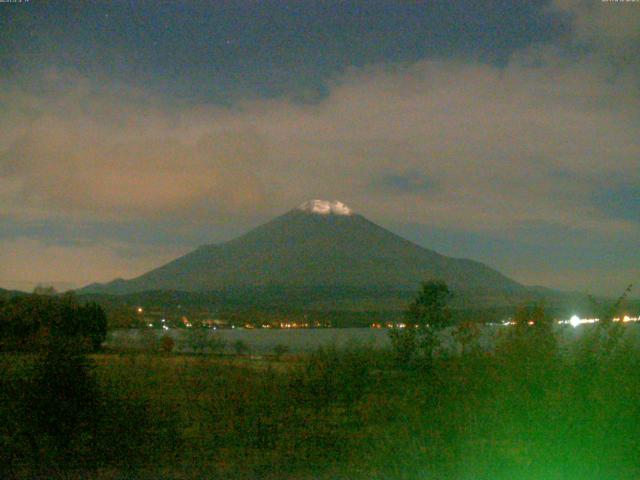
(33,322)
(535,408)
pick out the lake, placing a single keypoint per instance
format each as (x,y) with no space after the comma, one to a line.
(263,341)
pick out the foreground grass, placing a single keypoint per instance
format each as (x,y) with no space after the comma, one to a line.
(527,411)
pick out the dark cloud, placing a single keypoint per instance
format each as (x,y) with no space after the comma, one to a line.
(219,49)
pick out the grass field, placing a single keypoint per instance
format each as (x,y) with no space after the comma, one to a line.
(526,411)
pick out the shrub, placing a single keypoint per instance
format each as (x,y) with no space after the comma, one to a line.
(404,344)
(241,347)
(467,334)
(202,341)
(166,344)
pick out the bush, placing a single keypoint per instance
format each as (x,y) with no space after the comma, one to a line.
(404,344)
(467,335)
(332,375)
(531,337)
(166,344)
(280,350)
(201,341)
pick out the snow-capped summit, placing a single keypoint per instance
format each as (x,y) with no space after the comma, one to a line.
(325,207)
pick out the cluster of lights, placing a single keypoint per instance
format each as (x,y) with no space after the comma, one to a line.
(292,325)
(285,325)
(400,325)
(576,321)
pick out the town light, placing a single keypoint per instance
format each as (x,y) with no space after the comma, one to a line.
(575,321)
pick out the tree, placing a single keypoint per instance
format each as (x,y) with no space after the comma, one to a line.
(532,336)
(607,312)
(61,405)
(426,315)
(29,322)
(45,290)
(94,325)
(429,308)
(606,337)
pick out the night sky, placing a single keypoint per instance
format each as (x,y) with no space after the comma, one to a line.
(507,132)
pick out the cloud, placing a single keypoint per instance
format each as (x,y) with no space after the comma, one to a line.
(520,144)
(453,144)
(87,153)
(605,23)
(608,30)
(525,143)
(26,262)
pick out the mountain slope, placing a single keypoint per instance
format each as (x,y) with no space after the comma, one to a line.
(314,245)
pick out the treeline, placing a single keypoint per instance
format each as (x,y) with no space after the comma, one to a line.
(32,322)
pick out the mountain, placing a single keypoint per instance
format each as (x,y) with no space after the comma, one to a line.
(319,244)
(4,294)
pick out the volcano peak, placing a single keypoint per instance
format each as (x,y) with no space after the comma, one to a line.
(320,244)
(325,207)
